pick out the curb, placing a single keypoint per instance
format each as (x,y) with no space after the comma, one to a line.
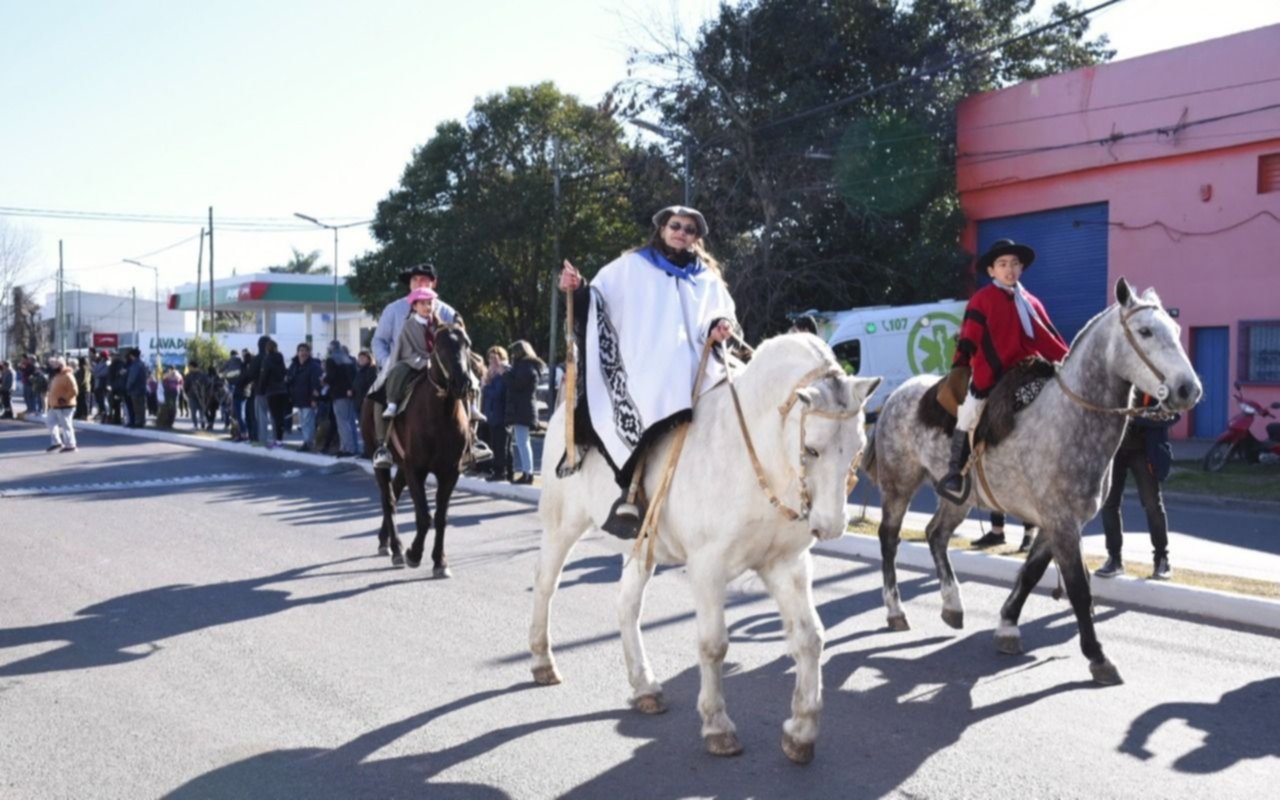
(1208,603)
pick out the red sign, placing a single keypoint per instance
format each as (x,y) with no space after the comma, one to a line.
(106,340)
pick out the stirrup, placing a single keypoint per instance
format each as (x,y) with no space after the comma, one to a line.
(946,494)
(624,519)
(382,458)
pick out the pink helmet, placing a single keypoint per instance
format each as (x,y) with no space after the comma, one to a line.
(420,294)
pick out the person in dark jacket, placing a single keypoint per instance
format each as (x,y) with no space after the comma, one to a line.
(304,381)
(84,384)
(102,384)
(1145,452)
(232,372)
(365,375)
(117,376)
(196,387)
(493,405)
(266,374)
(521,411)
(339,377)
(135,389)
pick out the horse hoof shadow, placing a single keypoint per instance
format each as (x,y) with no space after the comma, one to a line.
(953,618)
(899,622)
(1105,673)
(723,744)
(799,752)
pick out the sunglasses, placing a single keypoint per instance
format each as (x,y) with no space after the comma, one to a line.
(692,230)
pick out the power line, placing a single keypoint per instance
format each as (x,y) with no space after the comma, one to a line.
(241,224)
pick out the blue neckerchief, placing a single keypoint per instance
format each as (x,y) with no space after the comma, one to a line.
(660,261)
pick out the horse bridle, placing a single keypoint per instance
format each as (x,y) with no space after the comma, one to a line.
(806,499)
(1127,411)
(443,391)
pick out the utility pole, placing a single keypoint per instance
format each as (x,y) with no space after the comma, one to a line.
(200,284)
(134,293)
(58,337)
(213,305)
(555,273)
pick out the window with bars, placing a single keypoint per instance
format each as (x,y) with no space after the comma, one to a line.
(1260,351)
(1269,173)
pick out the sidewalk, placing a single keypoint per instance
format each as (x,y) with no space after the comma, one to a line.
(1157,595)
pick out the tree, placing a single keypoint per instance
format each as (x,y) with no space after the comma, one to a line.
(477,200)
(822,188)
(301,264)
(17,254)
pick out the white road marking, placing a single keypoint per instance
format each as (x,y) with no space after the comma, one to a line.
(113,486)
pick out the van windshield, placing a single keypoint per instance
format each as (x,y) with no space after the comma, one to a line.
(849,354)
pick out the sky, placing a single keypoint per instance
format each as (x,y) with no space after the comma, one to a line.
(266,109)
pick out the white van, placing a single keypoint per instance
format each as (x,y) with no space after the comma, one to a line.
(893,342)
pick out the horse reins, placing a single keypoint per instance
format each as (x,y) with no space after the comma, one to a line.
(1127,411)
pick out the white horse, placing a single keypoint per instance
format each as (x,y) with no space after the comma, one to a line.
(805,419)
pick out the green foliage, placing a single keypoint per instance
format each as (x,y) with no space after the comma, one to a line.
(203,351)
(821,188)
(477,201)
(302,264)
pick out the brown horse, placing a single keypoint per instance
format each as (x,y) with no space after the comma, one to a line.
(428,437)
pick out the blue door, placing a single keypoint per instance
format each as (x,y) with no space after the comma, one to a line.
(1209,354)
(1070,271)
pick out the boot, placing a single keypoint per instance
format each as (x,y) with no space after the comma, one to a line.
(1161,570)
(953,482)
(627,513)
(390,412)
(1112,568)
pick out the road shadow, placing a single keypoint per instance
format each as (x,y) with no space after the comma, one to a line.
(349,771)
(132,626)
(1240,726)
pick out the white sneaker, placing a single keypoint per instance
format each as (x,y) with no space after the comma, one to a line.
(390,412)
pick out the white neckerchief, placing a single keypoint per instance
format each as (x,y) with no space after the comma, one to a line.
(418,318)
(1024,308)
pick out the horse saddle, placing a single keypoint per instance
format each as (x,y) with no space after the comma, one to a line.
(418,376)
(1017,389)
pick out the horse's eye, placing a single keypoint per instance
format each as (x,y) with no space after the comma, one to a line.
(810,452)
(1145,333)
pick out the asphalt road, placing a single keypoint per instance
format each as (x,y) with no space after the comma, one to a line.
(231,634)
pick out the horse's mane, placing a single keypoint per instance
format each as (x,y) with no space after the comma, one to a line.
(781,360)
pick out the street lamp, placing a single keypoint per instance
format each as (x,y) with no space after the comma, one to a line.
(156,270)
(685,142)
(335,229)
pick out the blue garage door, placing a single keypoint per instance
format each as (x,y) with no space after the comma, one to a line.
(1070,272)
(1209,352)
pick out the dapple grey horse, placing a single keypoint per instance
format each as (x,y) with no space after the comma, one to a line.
(806,420)
(1051,471)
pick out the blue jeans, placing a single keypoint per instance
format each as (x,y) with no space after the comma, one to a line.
(344,413)
(262,418)
(307,421)
(237,413)
(524,451)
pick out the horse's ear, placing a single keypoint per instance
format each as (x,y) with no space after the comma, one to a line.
(1124,292)
(863,387)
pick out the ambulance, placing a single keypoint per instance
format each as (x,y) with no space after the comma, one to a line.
(893,342)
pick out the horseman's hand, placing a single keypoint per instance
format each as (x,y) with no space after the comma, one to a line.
(570,278)
(722,332)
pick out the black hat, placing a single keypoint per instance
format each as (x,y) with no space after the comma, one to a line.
(418,269)
(667,213)
(1007,247)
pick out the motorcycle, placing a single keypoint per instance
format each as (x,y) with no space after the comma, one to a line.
(1238,441)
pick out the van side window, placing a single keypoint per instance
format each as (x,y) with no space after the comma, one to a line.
(849,354)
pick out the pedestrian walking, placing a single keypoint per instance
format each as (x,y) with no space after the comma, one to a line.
(63,391)
(1144,451)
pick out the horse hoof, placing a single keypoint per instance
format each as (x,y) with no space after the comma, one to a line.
(723,744)
(953,618)
(1009,645)
(383,550)
(397,560)
(442,572)
(649,704)
(1105,673)
(546,676)
(799,752)
(899,623)
(414,563)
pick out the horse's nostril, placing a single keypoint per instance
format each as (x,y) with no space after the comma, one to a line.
(1184,391)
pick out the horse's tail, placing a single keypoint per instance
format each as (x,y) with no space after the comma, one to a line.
(869,456)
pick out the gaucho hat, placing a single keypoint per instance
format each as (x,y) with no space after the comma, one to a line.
(424,269)
(667,213)
(1007,247)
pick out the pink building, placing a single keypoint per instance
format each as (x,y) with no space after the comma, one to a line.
(1164,169)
